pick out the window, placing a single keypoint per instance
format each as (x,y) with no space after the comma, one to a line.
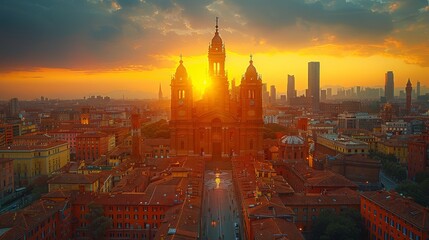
(181,94)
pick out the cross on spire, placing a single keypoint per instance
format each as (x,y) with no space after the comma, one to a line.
(181,59)
(251,58)
(217,24)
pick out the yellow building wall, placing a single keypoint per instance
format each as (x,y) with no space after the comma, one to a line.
(400,152)
(30,163)
(68,187)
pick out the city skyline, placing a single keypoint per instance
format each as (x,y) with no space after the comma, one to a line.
(119,46)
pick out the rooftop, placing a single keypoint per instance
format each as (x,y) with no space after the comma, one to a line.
(401,206)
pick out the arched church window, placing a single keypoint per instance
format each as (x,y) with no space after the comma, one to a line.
(181,94)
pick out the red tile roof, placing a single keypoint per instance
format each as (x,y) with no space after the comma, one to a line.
(71,178)
(400,206)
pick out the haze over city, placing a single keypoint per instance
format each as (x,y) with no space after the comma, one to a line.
(53,48)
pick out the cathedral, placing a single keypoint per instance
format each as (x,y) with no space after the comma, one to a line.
(224,121)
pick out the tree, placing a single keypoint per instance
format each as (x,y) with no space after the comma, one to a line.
(332,225)
(159,129)
(422,176)
(419,192)
(98,223)
(271,129)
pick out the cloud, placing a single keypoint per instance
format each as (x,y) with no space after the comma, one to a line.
(91,35)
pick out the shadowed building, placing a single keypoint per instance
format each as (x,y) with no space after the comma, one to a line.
(217,124)
(408,90)
(291,92)
(314,84)
(389,86)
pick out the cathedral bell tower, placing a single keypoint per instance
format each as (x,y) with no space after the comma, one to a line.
(181,112)
(251,123)
(217,97)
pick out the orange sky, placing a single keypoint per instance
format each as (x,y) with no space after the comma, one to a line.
(132,48)
(343,71)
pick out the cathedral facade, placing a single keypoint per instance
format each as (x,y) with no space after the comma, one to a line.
(224,121)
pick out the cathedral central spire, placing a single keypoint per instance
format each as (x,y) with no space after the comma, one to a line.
(217,24)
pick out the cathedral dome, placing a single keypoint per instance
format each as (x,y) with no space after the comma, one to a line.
(181,71)
(292,140)
(251,71)
(216,40)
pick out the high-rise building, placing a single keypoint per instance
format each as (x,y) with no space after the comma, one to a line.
(291,92)
(160,93)
(418,88)
(13,107)
(265,95)
(389,86)
(273,94)
(323,95)
(216,125)
(314,84)
(408,89)
(329,92)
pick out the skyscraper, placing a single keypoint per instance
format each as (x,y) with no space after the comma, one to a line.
(290,87)
(408,89)
(418,89)
(273,94)
(389,87)
(13,107)
(265,95)
(329,92)
(160,97)
(323,95)
(314,84)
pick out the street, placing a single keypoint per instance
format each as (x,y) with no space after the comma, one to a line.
(219,207)
(387,182)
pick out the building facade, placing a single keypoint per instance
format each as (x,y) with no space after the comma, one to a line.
(418,155)
(31,161)
(388,215)
(314,84)
(291,92)
(408,90)
(217,125)
(6,177)
(91,145)
(389,87)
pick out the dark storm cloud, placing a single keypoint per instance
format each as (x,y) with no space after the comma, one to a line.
(94,34)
